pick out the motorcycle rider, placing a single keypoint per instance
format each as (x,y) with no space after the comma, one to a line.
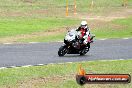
(83,33)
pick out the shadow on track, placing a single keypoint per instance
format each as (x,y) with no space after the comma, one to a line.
(74,55)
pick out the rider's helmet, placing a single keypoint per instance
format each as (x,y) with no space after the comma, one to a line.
(84,25)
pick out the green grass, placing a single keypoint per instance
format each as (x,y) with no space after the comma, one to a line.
(28,16)
(14,76)
(13,27)
(53,7)
(118,28)
(51,38)
(123,29)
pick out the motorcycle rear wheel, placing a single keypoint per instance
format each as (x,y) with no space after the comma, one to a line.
(84,51)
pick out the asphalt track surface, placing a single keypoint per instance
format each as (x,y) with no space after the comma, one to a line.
(45,53)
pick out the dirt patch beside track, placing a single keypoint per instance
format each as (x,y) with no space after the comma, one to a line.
(43,81)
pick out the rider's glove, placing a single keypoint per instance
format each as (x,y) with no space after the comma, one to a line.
(85,42)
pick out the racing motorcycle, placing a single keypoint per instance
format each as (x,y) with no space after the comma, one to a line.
(74,45)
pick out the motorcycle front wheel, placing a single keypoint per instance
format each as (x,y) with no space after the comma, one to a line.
(62,51)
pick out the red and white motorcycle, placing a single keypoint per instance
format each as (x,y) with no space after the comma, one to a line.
(74,45)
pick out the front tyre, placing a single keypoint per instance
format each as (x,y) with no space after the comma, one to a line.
(62,51)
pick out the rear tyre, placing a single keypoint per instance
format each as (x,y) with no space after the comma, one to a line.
(62,51)
(84,51)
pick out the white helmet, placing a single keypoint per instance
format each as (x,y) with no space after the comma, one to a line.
(84,24)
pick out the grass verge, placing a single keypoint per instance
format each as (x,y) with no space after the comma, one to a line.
(42,8)
(13,27)
(50,38)
(118,28)
(62,75)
